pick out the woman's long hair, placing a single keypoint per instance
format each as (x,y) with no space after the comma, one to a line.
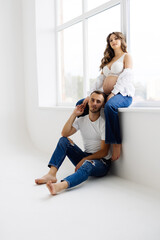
(109,52)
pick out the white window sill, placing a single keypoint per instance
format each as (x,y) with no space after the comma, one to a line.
(146,106)
(135,107)
(140,109)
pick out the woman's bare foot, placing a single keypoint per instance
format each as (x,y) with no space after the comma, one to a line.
(116,151)
(45,179)
(54,188)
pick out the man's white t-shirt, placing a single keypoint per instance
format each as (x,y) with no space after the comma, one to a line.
(92,133)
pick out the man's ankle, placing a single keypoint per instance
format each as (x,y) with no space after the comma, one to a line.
(53,170)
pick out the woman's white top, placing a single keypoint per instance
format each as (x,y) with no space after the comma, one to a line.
(124,84)
(116,67)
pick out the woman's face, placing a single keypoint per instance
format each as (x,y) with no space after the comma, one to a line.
(115,42)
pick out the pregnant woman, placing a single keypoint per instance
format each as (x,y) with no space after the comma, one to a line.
(116,81)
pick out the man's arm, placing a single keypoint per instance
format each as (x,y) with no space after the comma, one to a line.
(68,129)
(97,155)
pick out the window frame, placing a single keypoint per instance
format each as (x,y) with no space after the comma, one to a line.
(125,28)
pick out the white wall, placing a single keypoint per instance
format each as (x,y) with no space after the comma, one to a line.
(140,161)
(44,124)
(12,99)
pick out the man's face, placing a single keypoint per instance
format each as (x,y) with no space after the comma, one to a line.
(95,102)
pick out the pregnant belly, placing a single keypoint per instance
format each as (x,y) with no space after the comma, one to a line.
(109,83)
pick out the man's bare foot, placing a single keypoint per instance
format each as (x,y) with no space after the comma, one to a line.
(54,188)
(116,151)
(45,179)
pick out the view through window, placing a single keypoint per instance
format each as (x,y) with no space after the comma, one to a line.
(81,45)
(145,49)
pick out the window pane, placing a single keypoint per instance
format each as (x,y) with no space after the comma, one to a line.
(145,48)
(70,64)
(95,3)
(97,34)
(68,9)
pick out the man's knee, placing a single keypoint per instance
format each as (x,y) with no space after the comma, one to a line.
(70,140)
(63,141)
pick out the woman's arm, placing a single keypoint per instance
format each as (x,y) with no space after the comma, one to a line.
(124,83)
(128,63)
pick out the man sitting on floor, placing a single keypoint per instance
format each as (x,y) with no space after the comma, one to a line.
(94,161)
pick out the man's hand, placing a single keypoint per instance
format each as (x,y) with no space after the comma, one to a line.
(82,106)
(110,96)
(79,109)
(68,129)
(80,164)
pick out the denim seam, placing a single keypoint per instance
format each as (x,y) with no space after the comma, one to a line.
(50,165)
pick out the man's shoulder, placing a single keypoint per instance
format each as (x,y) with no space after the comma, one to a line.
(102,114)
(84,118)
(81,120)
(102,119)
(101,124)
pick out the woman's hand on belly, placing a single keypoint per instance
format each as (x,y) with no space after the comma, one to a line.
(109,83)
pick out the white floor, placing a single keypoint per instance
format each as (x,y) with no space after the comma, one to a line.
(107,208)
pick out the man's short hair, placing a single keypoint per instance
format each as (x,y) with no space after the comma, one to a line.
(100,92)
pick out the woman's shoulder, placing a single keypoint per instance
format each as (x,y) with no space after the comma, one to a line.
(128,60)
(127,56)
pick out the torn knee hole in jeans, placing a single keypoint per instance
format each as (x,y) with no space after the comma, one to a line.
(72,143)
(90,161)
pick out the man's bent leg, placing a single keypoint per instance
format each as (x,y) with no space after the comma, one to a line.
(97,168)
(80,175)
(73,180)
(89,168)
(59,153)
(55,161)
(75,154)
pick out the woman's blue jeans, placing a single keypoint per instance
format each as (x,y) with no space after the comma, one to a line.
(112,125)
(97,168)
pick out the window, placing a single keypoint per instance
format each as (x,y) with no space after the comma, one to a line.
(97,34)
(145,49)
(70,58)
(70,41)
(82,28)
(45,52)
(70,45)
(68,9)
(95,3)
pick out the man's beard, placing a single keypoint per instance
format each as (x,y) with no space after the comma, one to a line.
(94,111)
